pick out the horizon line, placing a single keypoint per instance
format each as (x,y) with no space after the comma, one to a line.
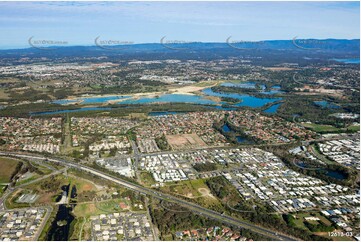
(29,46)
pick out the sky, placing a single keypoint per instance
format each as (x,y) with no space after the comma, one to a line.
(80,23)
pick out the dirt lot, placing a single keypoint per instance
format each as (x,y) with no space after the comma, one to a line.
(84,185)
(191,88)
(185,141)
(321,90)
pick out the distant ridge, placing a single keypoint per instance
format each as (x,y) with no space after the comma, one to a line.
(271,52)
(293,44)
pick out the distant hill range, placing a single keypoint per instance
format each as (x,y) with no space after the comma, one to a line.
(295,48)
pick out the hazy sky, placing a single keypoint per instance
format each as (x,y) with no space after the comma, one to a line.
(79,23)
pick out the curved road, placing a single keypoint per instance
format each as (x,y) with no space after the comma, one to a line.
(162,196)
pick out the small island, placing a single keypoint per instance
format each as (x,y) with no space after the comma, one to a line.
(231,100)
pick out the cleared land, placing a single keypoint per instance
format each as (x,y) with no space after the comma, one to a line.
(190,189)
(83,185)
(184,141)
(316,91)
(192,88)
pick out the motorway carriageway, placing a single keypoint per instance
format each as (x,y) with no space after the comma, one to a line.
(169,198)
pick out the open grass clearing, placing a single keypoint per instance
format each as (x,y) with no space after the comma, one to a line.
(300,218)
(146,178)
(323,128)
(190,188)
(100,207)
(7,168)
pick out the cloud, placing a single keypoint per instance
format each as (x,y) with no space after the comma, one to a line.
(198,21)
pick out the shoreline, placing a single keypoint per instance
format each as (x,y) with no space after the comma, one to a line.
(185,90)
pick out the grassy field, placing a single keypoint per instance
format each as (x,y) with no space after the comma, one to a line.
(3,94)
(146,178)
(208,83)
(188,188)
(111,206)
(30,178)
(321,128)
(300,218)
(82,185)
(354,128)
(86,209)
(43,169)
(7,168)
(194,189)
(320,156)
(96,208)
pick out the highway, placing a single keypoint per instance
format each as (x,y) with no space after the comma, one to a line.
(163,196)
(136,157)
